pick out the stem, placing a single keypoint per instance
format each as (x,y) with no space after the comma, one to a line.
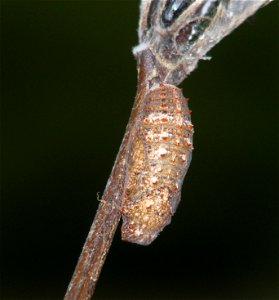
(101,234)
(94,252)
(99,239)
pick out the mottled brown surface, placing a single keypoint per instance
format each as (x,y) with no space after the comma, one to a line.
(160,157)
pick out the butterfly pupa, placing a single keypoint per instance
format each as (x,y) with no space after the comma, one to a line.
(159,158)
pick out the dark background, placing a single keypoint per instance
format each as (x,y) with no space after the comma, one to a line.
(68,84)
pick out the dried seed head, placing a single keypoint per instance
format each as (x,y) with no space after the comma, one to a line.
(179,33)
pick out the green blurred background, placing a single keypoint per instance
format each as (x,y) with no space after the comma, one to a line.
(68,84)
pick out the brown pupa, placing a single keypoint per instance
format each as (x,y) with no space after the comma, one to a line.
(160,155)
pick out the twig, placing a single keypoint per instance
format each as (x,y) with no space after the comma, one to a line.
(101,234)
(165,55)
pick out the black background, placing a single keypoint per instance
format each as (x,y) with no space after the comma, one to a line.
(68,84)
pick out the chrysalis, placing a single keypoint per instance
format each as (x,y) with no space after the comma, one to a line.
(160,155)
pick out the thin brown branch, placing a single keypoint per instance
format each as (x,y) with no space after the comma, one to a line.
(94,253)
(101,234)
